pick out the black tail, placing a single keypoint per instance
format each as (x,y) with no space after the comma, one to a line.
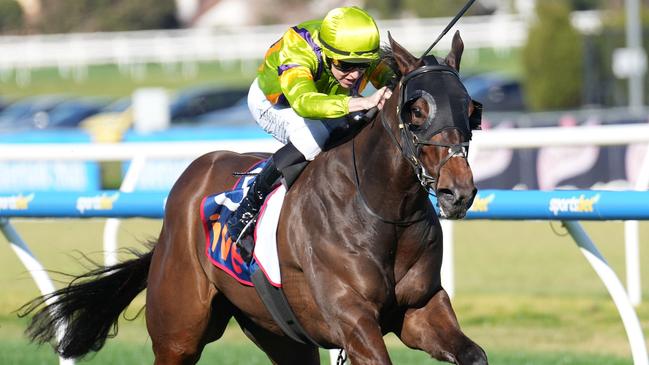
(89,307)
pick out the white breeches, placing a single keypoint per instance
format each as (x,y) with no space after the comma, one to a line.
(307,135)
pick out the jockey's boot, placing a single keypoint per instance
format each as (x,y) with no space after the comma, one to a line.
(241,223)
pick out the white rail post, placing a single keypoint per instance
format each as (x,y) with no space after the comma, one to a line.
(632,258)
(35,269)
(448,267)
(632,240)
(111,229)
(615,289)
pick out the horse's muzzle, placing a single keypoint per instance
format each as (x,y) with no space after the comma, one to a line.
(454,203)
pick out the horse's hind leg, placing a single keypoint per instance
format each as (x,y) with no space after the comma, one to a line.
(434,329)
(183,310)
(281,350)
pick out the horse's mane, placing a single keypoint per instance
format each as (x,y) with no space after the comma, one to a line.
(387,57)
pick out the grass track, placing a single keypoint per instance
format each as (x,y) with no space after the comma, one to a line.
(524,293)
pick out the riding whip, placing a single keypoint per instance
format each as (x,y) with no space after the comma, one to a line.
(449,26)
(370,114)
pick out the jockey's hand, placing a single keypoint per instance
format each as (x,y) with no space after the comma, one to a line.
(375,100)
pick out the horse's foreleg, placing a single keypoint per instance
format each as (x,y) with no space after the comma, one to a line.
(355,326)
(434,329)
(364,342)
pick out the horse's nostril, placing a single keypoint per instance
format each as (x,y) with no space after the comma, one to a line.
(445,194)
(456,196)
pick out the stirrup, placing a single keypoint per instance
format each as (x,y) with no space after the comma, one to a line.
(246,242)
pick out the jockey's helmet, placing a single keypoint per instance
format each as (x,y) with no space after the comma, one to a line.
(349,34)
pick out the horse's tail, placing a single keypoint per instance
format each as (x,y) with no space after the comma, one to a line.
(88,307)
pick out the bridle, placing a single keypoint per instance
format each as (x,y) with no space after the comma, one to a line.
(414,137)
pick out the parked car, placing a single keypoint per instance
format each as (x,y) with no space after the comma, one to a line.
(4,102)
(186,107)
(68,114)
(496,92)
(109,123)
(196,101)
(24,113)
(237,114)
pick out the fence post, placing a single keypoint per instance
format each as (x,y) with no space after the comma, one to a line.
(632,239)
(615,289)
(35,269)
(448,267)
(112,224)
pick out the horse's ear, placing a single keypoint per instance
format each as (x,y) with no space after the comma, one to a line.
(404,59)
(455,55)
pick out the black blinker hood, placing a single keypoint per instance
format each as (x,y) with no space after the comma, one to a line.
(440,86)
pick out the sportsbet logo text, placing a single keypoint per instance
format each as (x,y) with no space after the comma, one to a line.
(15,202)
(579,204)
(97,202)
(481,204)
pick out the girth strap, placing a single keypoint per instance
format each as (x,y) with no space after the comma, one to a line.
(277,304)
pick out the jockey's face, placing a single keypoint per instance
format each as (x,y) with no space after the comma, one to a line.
(347,74)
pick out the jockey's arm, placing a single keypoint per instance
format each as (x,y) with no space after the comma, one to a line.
(296,78)
(366,103)
(299,89)
(380,75)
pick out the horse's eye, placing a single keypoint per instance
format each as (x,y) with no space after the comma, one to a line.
(416,112)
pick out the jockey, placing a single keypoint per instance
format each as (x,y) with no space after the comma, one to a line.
(309,82)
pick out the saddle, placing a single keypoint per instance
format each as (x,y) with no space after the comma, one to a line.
(224,254)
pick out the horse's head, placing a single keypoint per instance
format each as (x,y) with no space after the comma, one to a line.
(436,116)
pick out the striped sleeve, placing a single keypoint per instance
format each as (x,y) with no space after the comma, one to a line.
(298,64)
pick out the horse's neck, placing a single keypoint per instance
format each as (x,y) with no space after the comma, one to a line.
(386,177)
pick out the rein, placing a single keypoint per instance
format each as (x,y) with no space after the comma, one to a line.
(367,206)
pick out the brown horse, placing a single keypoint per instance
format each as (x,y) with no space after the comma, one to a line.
(360,245)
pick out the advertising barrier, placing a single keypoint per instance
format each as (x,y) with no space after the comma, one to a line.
(48,175)
(160,174)
(489,204)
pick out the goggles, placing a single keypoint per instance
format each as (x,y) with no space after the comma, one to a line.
(343,66)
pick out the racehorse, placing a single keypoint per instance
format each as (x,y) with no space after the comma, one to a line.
(359,242)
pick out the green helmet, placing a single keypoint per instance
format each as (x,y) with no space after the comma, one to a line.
(349,34)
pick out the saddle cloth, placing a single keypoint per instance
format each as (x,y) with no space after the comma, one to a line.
(220,247)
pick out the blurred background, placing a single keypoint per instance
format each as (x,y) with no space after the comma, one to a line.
(75,47)
(72,64)
(112,71)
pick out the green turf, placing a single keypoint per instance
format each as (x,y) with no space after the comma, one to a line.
(524,292)
(111,81)
(236,353)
